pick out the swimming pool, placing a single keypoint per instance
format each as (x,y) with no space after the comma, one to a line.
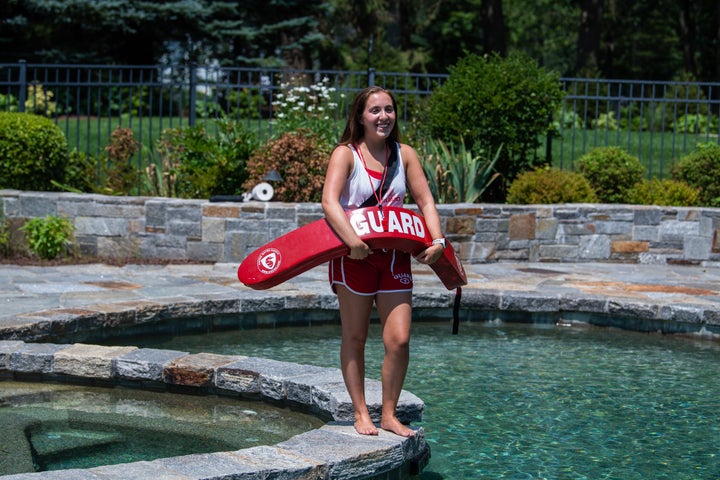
(53,426)
(512,400)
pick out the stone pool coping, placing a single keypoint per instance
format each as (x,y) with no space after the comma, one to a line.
(334,451)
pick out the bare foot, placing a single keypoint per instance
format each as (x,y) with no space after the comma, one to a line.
(365,426)
(393,425)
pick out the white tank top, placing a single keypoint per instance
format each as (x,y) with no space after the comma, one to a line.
(360,185)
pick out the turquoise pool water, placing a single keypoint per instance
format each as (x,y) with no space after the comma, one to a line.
(526,401)
(48,426)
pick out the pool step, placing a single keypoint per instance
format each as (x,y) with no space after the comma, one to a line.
(59,439)
(15,451)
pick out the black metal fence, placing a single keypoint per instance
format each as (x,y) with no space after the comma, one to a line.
(657,121)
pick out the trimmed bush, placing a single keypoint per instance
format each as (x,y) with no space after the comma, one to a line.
(611,171)
(701,169)
(120,173)
(300,157)
(663,192)
(195,164)
(33,152)
(81,172)
(491,101)
(550,185)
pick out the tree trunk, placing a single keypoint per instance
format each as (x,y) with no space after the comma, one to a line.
(588,46)
(686,30)
(493,27)
(717,42)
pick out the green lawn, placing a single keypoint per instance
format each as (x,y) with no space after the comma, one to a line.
(657,151)
(91,134)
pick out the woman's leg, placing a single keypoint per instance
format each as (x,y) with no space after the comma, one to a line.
(395,312)
(355,317)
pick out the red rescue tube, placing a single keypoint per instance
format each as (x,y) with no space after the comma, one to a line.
(313,244)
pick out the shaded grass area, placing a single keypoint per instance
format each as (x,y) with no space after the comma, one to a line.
(92,134)
(658,151)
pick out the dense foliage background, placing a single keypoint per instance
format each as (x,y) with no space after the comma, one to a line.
(640,39)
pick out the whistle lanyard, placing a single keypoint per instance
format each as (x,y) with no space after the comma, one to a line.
(378,197)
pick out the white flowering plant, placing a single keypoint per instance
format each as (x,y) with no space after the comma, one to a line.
(312,108)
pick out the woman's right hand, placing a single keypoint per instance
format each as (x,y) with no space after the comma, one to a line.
(360,251)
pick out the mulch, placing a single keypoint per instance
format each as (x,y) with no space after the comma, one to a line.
(25,260)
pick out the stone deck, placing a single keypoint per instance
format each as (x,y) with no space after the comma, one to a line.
(42,305)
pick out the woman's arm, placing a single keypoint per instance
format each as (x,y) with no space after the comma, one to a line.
(338,171)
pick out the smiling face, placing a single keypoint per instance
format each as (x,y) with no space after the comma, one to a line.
(378,118)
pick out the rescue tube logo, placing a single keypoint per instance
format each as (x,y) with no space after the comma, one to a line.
(408,223)
(269,261)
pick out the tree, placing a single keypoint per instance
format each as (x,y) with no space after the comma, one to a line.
(493,26)
(276,32)
(545,30)
(588,49)
(456,31)
(113,31)
(642,39)
(282,33)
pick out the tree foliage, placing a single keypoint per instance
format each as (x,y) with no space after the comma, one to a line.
(489,102)
(643,39)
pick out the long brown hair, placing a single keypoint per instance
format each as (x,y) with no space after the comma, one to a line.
(354,129)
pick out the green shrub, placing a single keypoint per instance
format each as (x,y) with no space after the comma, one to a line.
(550,185)
(663,192)
(701,169)
(40,101)
(605,121)
(195,164)
(49,237)
(695,123)
(81,172)
(9,102)
(455,175)
(611,172)
(491,101)
(300,107)
(33,152)
(120,174)
(299,157)
(4,238)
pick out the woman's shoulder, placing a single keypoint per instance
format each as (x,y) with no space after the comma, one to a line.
(406,150)
(343,154)
(343,150)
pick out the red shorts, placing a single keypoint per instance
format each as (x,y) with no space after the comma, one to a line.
(382,272)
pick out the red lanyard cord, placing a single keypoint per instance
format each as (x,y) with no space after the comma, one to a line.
(384,175)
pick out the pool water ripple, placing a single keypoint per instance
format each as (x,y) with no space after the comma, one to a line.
(535,401)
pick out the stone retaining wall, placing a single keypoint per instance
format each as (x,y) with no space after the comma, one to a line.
(165,228)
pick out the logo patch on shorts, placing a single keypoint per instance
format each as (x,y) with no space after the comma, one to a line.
(269,261)
(403,278)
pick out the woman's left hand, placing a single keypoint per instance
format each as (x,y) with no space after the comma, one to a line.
(430,255)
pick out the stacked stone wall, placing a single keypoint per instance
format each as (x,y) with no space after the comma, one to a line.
(199,230)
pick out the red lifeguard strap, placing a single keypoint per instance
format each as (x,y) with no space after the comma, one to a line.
(316,243)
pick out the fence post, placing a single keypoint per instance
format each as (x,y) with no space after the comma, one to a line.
(371,77)
(22,96)
(548,142)
(193,93)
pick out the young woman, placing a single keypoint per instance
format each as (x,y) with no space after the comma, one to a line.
(371,166)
